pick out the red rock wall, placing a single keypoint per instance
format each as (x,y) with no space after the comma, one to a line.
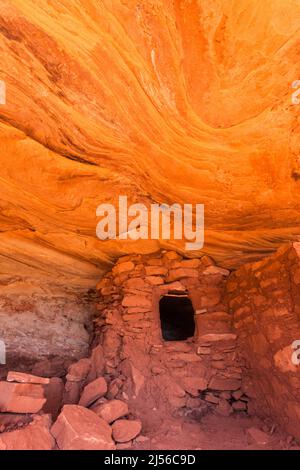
(264,299)
(154,374)
(36,327)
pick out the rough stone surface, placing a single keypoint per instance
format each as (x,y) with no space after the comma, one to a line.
(164,374)
(78,428)
(124,430)
(93,391)
(265,302)
(26,378)
(112,410)
(79,371)
(35,436)
(21,398)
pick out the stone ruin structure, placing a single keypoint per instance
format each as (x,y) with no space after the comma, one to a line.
(169,374)
(173,337)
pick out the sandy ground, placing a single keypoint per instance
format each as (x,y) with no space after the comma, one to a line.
(215,433)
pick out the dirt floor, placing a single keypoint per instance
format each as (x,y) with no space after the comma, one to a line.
(213,432)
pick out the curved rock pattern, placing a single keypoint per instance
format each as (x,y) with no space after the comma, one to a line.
(183,101)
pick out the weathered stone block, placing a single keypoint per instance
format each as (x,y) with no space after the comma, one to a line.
(21,398)
(78,428)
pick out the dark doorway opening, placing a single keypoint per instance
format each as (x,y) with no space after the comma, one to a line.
(176,318)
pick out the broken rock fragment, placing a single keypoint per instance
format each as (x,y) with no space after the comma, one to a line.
(125,430)
(35,436)
(112,410)
(93,391)
(78,428)
(20,377)
(21,398)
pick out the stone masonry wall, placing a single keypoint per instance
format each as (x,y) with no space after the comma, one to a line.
(155,375)
(264,299)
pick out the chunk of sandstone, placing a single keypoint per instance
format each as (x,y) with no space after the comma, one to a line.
(112,410)
(35,436)
(21,398)
(156,271)
(171,255)
(181,273)
(216,270)
(219,383)
(136,301)
(187,263)
(93,391)
(20,377)
(124,430)
(215,337)
(78,428)
(123,267)
(79,371)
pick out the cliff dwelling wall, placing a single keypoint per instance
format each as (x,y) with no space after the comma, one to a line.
(197,373)
(264,299)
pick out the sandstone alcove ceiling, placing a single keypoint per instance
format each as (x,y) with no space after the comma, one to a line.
(166,101)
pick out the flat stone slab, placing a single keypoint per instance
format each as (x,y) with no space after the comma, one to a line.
(20,377)
(21,398)
(78,428)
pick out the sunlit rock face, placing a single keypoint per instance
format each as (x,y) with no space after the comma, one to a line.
(183,101)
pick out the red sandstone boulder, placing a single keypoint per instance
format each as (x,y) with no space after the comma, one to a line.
(93,391)
(79,371)
(112,410)
(21,398)
(215,337)
(136,283)
(78,428)
(20,377)
(124,430)
(154,280)
(35,436)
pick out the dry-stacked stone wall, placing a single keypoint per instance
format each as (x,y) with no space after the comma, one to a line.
(264,298)
(189,376)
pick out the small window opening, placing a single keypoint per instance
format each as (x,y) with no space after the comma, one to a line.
(176,317)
